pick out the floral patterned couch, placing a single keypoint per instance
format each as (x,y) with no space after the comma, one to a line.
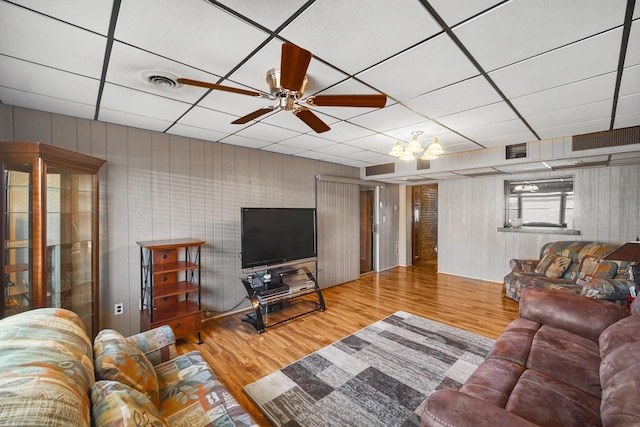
(576,267)
(51,375)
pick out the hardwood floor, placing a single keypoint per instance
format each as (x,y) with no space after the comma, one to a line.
(239,356)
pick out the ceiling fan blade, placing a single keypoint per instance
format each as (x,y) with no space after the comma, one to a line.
(252,116)
(371,101)
(311,120)
(198,83)
(293,66)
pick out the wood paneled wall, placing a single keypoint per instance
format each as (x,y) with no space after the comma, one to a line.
(159,186)
(607,209)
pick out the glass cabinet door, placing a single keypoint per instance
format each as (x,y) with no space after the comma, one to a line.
(16,253)
(70,233)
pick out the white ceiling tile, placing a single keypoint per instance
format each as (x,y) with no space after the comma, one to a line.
(388,118)
(141,103)
(282,149)
(271,14)
(94,15)
(313,155)
(568,129)
(494,113)
(212,120)
(500,140)
(338,149)
(630,83)
(359,33)
(267,133)
(49,42)
(579,114)
(520,29)
(307,142)
(46,103)
(570,95)
(133,120)
(195,33)
(627,120)
(196,132)
(50,82)
(243,141)
(506,128)
(633,48)
(454,12)
(343,131)
(426,67)
(628,104)
(429,129)
(592,57)
(288,120)
(465,95)
(373,142)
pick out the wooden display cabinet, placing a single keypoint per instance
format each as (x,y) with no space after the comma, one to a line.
(50,218)
(170,286)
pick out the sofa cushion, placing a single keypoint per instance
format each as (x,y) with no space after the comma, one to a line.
(192,396)
(514,343)
(493,381)
(117,404)
(553,266)
(563,405)
(591,266)
(611,289)
(118,360)
(157,344)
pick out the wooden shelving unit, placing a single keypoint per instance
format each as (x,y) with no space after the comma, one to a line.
(170,286)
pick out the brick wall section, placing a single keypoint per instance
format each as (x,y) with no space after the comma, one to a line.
(427,196)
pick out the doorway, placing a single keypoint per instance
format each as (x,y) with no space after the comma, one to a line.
(424,224)
(367,200)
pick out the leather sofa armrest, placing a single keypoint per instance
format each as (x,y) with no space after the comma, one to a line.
(158,344)
(454,408)
(523,265)
(580,315)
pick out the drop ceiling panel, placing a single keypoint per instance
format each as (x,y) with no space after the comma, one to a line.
(388,118)
(94,15)
(288,120)
(71,49)
(628,104)
(633,49)
(196,132)
(482,116)
(592,57)
(271,14)
(428,127)
(307,142)
(630,83)
(141,103)
(133,120)
(243,141)
(570,95)
(209,119)
(426,67)
(454,12)
(357,34)
(46,103)
(582,113)
(195,33)
(343,131)
(37,79)
(486,133)
(338,149)
(574,128)
(465,95)
(378,142)
(521,29)
(282,149)
(267,132)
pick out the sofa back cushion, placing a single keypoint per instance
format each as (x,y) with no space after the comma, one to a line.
(117,404)
(576,250)
(117,359)
(620,372)
(553,266)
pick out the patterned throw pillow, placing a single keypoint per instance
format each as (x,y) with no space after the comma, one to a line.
(118,360)
(592,267)
(552,265)
(117,404)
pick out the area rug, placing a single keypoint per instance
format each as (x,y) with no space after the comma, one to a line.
(378,376)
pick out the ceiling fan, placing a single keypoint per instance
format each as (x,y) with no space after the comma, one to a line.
(287,87)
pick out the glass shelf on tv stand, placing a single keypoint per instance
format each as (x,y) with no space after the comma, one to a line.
(283,297)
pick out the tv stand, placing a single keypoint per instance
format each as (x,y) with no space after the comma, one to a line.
(282,293)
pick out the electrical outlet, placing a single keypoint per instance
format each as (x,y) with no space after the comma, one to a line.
(118,309)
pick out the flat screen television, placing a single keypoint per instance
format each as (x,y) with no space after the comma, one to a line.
(271,236)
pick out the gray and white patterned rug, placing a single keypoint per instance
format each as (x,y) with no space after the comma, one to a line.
(378,376)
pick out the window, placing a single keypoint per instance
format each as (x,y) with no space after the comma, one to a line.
(540,203)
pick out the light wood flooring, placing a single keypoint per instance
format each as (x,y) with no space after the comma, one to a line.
(239,356)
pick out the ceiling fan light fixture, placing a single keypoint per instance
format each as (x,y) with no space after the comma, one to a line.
(407,156)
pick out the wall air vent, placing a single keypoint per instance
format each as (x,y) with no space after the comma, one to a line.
(516,151)
(609,138)
(380,169)
(423,164)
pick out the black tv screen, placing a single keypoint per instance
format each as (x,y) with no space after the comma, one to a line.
(273,236)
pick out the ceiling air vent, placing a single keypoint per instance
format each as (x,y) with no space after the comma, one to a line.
(516,151)
(423,164)
(609,138)
(380,169)
(161,78)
